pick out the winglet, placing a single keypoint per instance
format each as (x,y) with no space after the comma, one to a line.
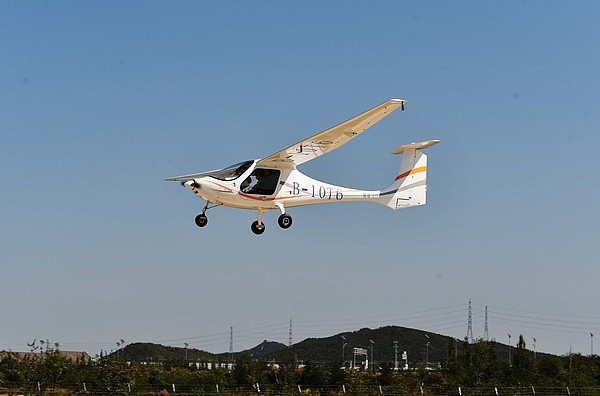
(401,101)
(416,146)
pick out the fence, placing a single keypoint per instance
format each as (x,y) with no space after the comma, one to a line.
(297,390)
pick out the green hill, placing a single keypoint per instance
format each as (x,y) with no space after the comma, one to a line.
(329,349)
(147,352)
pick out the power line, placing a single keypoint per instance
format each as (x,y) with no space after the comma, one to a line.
(439,319)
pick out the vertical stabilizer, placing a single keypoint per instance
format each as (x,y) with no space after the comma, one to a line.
(410,186)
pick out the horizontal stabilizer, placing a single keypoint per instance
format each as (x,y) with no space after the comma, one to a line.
(416,146)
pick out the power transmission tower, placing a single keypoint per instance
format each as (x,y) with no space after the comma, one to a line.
(290,338)
(231,344)
(470,325)
(485,330)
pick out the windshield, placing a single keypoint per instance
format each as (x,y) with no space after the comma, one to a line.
(232,172)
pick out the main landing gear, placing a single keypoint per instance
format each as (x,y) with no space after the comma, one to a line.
(284,221)
(257,228)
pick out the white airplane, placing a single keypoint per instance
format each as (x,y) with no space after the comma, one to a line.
(274,182)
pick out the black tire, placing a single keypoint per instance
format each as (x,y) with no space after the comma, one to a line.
(201,220)
(285,221)
(258,229)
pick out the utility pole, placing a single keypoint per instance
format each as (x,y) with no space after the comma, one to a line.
(592,344)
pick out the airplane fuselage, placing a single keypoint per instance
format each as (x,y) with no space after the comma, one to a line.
(272,189)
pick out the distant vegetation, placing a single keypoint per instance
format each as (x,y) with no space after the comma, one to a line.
(314,366)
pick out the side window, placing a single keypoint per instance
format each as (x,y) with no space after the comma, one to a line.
(261,182)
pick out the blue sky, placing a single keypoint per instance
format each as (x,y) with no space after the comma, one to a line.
(100,101)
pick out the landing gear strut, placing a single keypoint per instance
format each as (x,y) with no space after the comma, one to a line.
(285,220)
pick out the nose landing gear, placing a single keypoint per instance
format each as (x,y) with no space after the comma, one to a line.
(201,220)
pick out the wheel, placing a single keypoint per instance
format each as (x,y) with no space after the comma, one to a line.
(285,221)
(201,220)
(258,228)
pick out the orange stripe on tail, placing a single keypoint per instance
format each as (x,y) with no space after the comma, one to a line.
(410,172)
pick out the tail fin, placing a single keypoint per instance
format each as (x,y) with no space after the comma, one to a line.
(410,186)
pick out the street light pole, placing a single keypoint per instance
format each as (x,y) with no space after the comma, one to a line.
(395,355)
(509,363)
(427,353)
(344,343)
(456,340)
(372,362)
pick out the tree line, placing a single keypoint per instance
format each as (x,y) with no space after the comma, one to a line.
(472,369)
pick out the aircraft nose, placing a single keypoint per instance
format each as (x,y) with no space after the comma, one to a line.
(190,184)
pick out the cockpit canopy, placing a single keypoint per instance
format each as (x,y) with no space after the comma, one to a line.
(232,172)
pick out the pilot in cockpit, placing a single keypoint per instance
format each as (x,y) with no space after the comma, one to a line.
(261,181)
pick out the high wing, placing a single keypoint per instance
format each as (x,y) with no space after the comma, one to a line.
(330,139)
